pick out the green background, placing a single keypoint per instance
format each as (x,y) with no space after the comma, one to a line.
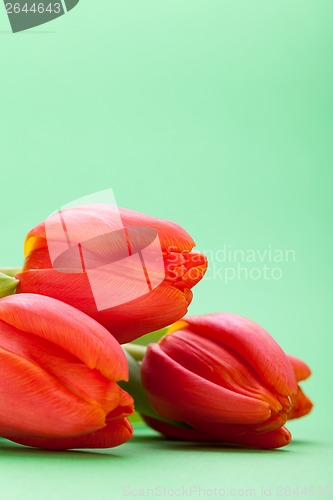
(214,114)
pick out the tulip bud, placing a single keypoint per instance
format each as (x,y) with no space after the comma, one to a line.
(58,377)
(227,379)
(131,272)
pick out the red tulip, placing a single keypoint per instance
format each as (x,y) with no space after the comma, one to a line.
(227,379)
(59,372)
(92,245)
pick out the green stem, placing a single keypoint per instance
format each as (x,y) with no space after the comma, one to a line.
(8,285)
(10,271)
(135,350)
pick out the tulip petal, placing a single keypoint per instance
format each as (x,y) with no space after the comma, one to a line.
(301,369)
(38,256)
(88,384)
(302,407)
(35,240)
(251,342)
(71,329)
(35,403)
(192,277)
(71,288)
(125,322)
(200,399)
(114,434)
(184,270)
(119,300)
(217,363)
(275,439)
(147,313)
(172,236)
(85,218)
(124,409)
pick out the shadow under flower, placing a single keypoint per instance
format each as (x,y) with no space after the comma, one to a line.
(160,442)
(9,448)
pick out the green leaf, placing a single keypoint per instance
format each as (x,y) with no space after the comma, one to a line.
(152,337)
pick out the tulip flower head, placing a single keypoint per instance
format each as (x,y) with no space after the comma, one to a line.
(131,272)
(59,373)
(227,379)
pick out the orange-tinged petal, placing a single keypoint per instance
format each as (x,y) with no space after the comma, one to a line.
(71,329)
(301,369)
(302,407)
(106,218)
(35,240)
(94,226)
(125,322)
(184,270)
(192,277)
(172,236)
(88,384)
(200,399)
(114,434)
(33,402)
(253,343)
(38,258)
(124,409)
(147,313)
(71,288)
